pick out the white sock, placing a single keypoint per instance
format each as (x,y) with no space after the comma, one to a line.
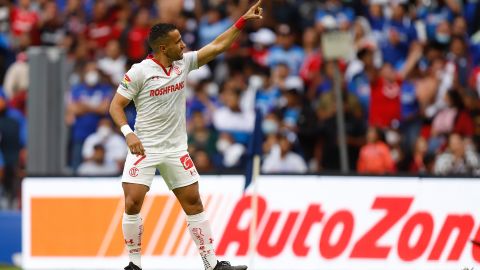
(201,233)
(132,232)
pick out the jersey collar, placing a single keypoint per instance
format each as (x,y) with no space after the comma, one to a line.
(167,72)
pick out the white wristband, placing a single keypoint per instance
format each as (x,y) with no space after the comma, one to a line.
(125,129)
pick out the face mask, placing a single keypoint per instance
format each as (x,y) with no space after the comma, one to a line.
(269,127)
(282,102)
(392,137)
(92,78)
(222,145)
(212,89)
(104,131)
(442,38)
(256,82)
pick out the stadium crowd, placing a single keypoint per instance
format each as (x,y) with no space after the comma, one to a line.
(411,86)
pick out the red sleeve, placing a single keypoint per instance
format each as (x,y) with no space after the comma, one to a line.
(464,124)
(12,15)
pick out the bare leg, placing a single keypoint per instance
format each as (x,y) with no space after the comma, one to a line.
(189,199)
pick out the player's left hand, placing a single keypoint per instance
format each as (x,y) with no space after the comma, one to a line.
(255,12)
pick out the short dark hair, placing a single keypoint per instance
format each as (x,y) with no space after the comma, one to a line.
(159,31)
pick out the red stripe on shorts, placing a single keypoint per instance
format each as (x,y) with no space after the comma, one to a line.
(139,160)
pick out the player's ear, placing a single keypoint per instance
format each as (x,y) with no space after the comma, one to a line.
(162,48)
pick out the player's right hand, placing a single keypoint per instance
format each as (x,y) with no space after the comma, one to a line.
(255,12)
(135,145)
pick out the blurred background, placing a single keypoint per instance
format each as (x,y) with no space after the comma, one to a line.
(410,87)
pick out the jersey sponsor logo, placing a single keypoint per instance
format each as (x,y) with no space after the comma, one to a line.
(167,90)
(126,80)
(133,172)
(177,70)
(186,162)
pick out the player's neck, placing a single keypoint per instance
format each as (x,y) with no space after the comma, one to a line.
(163,59)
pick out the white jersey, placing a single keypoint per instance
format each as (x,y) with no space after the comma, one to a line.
(160,98)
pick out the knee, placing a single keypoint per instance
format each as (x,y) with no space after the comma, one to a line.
(132,205)
(192,205)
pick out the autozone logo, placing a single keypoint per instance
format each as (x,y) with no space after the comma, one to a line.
(458,227)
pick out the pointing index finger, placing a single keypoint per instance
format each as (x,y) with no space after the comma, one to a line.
(259,2)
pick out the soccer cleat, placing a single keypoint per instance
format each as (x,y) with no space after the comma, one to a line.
(224,265)
(132,266)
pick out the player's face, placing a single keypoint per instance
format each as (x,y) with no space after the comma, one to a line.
(175,47)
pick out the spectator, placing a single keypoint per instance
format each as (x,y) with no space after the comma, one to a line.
(284,12)
(298,116)
(459,158)
(230,118)
(24,21)
(385,105)
(203,162)
(114,144)
(286,51)
(385,98)
(136,35)
(101,29)
(89,102)
(51,25)
(326,151)
(362,34)
(203,101)
(375,15)
(75,17)
(114,62)
(458,56)
(169,10)
(16,82)
(410,120)
(10,147)
(262,40)
(359,78)
(200,136)
(232,153)
(312,62)
(187,25)
(271,124)
(343,16)
(96,165)
(281,158)
(460,28)
(268,95)
(455,118)
(211,25)
(418,159)
(375,156)
(325,80)
(5,7)
(292,103)
(399,33)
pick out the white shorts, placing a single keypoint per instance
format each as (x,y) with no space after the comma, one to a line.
(177,169)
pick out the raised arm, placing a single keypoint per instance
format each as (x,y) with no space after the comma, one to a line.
(225,40)
(416,52)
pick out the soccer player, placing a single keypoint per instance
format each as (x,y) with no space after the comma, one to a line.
(157,86)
